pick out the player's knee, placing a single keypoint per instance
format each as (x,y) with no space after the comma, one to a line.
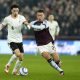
(18,54)
(46,55)
(21,57)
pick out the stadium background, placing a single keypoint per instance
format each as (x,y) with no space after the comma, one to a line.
(67,13)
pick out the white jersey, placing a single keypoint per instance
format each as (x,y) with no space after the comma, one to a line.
(54,29)
(14,28)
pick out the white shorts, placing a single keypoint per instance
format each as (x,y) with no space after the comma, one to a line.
(50,48)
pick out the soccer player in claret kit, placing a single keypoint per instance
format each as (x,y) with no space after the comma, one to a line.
(44,39)
(14,24)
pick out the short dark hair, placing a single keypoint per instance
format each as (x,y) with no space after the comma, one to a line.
(41,11)
(14,6)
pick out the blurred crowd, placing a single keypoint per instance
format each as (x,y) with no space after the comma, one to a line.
(66,12)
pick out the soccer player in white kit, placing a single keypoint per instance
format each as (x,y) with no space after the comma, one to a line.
(14,23)
(54,31)
(44,39)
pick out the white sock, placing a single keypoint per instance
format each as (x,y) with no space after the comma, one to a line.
(17,65)
(53,64)
(13,57)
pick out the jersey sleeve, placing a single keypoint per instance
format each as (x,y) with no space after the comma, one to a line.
(4,22)
(57,28)
(48,23)
(40,27)
(31,23)
(23,19)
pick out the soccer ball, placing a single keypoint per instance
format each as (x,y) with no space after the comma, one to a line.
(23,71)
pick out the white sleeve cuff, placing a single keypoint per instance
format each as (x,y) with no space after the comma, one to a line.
(28,26)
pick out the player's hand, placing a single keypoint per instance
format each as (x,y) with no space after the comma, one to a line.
(25,22)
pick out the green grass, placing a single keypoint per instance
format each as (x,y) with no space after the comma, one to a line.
(39,69)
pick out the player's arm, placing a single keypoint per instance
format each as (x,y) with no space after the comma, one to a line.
(25,21)
(57,29)
(34,26)
(27,24)
(3,24)
(37,25)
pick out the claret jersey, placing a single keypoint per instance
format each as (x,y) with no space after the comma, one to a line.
(41,31)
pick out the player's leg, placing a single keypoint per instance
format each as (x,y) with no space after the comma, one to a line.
(47,56)
(13,57)
(56,58)
(19,54)
(45,51)
(17,65)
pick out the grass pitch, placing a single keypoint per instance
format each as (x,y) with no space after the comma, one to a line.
(39,69)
